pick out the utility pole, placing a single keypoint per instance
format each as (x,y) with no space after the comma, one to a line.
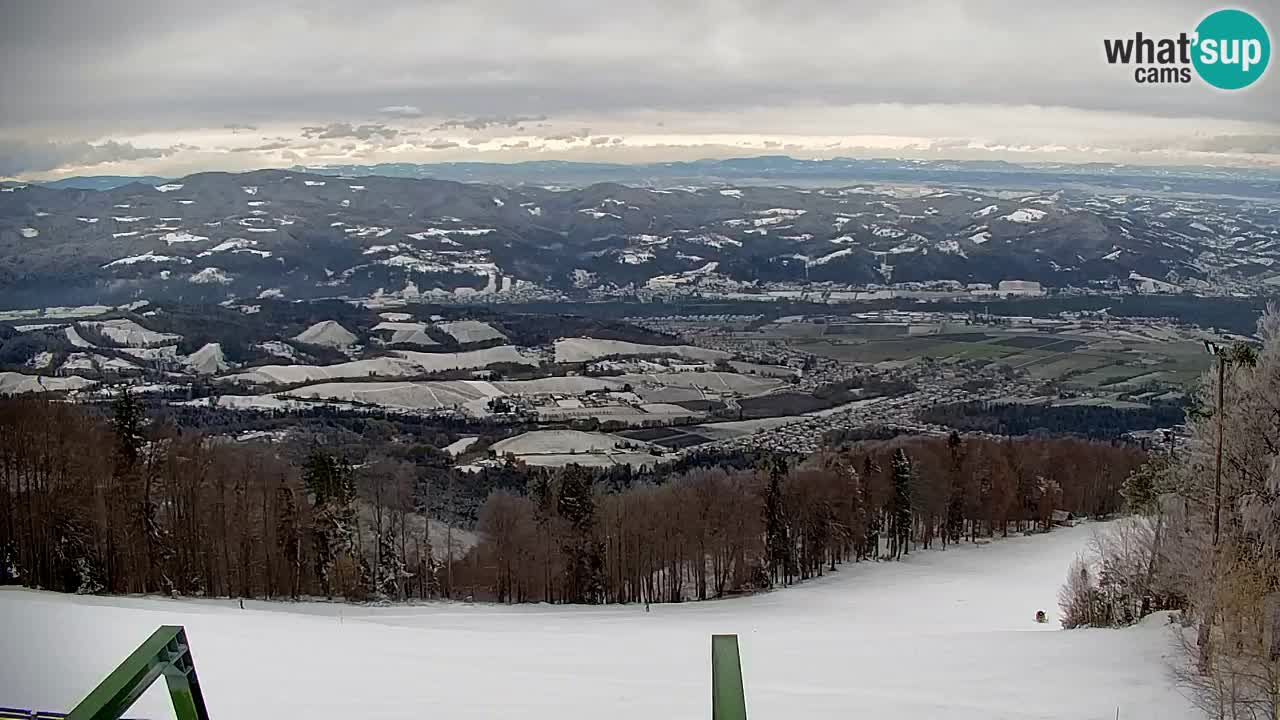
(1217,466)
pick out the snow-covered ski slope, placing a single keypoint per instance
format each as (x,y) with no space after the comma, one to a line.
(941,635)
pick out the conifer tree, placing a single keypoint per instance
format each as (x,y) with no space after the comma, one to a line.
(777,543)
(900,508)
(391,571)
(333,493)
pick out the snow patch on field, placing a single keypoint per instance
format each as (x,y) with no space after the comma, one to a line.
(225,245)
(328,333)
(576,350)
(170,187)
(1025,215)
(470,331)
(12,383)
(148,257)
(130,334)
(942,634)
(561,442)
(182,237)
(210,276)
(208,360)
(399,332)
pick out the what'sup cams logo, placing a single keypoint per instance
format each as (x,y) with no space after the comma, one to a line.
(1229,50)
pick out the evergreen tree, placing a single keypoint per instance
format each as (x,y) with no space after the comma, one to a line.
(871,544)
(333,493)
(953,526)
(900,508)
(777,544)
(391,569)
(584,565)
(131,498)
(287,538)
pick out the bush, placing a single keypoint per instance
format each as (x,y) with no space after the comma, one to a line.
(1116,584)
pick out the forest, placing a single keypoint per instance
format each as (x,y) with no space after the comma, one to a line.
(115,502)
(1092,421)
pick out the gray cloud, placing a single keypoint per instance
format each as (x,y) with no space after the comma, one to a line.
(1249,144)
(401,111)
(518,145)
(483,123)
(438,145)
(337,130)
(21,156)
(265,147)
(572,136)
(98,70)
(473,61)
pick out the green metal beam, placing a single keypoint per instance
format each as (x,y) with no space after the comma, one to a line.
(728,699)
(165,653)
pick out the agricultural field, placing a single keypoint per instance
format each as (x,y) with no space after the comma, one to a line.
(1122,362)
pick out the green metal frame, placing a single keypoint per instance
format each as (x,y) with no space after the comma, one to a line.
(166,653)
(728,699)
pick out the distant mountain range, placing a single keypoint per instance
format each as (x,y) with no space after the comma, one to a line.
(282,233)
(779,169)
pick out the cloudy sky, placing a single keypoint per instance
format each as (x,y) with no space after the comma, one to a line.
(170,87)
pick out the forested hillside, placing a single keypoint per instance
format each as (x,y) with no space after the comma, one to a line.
(122,505)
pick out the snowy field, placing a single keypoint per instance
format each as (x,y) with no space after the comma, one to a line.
(941,635)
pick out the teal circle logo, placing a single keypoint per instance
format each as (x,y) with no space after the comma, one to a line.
(1231,49)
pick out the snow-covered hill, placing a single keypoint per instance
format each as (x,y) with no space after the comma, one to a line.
(940,635)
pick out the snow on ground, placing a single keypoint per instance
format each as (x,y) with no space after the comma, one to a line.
(573,350)
(76,339)
(148,256)
(470,396)
(12,383)
(400,363)
(459,446)
(939,635)
(279,349)
(28,233)
(411,333)
(129,333)
(471,331)
(210,275)
(40,360)
(715,381)
(1025,215)
(326,332)
(208,360)
(546,442)
(182,237)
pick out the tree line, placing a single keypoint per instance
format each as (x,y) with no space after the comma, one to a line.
(116,504)
(712,532)
(1093,421)
(119,503)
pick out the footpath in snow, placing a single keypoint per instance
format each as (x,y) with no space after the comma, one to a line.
(941,635)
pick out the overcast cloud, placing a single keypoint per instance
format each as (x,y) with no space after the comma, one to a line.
(259,84)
